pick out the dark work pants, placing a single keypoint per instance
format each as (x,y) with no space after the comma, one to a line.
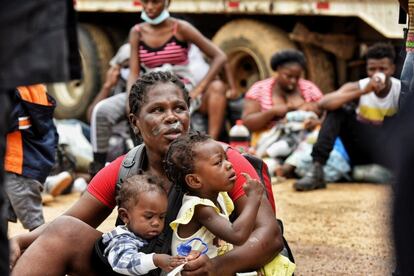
(4,242)
(361,141)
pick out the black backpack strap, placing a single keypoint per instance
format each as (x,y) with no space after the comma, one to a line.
(133,161)
(131,164)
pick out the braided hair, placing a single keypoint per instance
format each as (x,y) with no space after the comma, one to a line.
(287,56)
(179,160)
(139,90)
(132,187)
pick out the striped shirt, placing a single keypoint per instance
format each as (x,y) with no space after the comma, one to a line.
(261,92)
(122,251)
(410,37)
(174,52)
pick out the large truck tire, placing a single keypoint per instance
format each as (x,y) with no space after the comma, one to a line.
(320,69)
(73,97)
(249,45)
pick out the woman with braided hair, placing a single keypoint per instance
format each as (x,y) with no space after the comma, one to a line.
(159,114)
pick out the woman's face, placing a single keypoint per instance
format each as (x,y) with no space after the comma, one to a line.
(163,116)
(288,76)
(153,8)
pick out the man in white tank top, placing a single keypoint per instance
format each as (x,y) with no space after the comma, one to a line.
(359,127)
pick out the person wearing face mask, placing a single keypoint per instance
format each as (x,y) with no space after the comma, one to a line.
(163,43)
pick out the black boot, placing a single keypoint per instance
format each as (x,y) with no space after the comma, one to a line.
(312,180)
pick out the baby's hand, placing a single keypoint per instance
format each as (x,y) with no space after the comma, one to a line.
(194,254)
(253,188)
(167,262)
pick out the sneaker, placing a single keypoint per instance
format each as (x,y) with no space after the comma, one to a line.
(79,185)
(55,184)
(313,180)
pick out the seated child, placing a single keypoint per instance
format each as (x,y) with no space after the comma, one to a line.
(198,164)
(142,206)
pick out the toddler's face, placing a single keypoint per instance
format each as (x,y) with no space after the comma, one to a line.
(213,168)
(147,217)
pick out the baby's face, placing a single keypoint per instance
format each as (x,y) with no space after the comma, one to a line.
(211,165)
(147,217)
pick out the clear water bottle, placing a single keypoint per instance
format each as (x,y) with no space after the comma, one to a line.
(239,137)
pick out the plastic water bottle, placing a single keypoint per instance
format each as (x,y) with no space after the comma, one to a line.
(239,137)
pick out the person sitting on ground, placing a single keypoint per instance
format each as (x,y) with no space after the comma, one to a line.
(356,113)
(159,114)
(30,153)
(198,165)
(162,42)
(142,206)
(268,101)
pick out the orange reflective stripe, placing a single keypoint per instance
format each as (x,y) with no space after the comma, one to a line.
(34,93)
(24,122)
(13,161)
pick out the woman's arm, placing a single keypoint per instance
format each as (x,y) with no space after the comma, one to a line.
(232,93)
(91,209)
(134,62)
(255,119)
(87,209)
(215,54)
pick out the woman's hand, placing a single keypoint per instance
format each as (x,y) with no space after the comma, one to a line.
(15,252)
(196,92)
(202,265)
(232,93)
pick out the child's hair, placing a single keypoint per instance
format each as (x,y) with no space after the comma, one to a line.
(179,160)
(287,56)
(132,187)
(380,51)
(141,87)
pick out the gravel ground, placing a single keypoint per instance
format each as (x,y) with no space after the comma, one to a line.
(342,230)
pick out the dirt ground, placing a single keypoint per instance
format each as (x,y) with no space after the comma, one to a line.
(342,230)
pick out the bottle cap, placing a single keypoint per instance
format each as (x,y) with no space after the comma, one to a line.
(239,122)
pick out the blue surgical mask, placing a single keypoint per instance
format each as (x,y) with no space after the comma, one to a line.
(124,73)
(159,19)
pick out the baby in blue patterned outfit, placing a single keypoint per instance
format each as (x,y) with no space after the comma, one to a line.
(142,206)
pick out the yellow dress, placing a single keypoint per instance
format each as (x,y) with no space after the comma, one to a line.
(185,215)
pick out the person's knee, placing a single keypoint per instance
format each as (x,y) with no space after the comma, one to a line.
(65,226)
(217,88)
